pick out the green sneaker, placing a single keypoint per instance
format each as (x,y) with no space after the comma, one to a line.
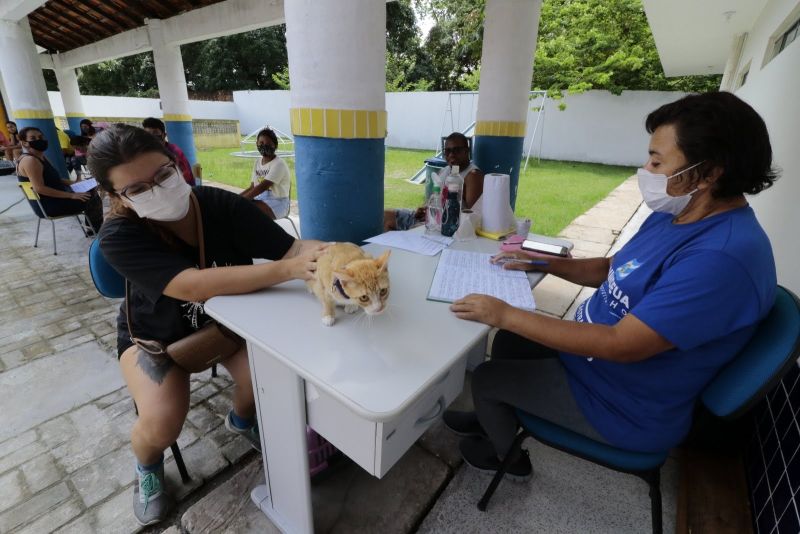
(150,503)
(250,434)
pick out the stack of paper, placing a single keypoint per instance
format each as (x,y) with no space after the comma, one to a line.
(460,273)
(413,242)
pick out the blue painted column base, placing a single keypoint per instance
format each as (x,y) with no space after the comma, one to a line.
(180,133)
(499,154)
(54,154)
(74,124)
(339,187)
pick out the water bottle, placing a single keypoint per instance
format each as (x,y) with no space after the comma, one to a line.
(433,211)
(452,208)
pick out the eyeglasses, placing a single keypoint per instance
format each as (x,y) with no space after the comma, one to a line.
(455,150)
(162,175)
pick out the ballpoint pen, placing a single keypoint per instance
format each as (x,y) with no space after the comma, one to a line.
(519,260)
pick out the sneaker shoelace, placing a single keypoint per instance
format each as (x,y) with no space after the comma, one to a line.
(149,485)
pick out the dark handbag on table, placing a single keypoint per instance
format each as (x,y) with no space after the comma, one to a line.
(200,350)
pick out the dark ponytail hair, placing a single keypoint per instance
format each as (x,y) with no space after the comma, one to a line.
(117,145)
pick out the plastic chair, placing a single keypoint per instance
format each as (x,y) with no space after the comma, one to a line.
(32,197)
(767,357)
(111,284)
(296,231)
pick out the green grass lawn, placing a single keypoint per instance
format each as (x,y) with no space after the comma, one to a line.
(551,193)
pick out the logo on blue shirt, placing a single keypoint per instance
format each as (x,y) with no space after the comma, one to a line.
(625,269)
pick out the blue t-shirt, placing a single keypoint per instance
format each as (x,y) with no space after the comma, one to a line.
(703,286)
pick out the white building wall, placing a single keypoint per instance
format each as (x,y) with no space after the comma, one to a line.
(773,89)
(120,106)
(596,126)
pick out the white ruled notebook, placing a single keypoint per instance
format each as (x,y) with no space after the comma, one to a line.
(461,272)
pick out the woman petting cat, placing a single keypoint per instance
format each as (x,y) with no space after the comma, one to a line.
(152,238)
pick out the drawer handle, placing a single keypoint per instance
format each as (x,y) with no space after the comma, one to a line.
(438,409)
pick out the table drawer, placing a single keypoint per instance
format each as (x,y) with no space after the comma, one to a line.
(394,437)
(377,446)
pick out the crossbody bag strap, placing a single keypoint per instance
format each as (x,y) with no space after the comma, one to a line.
(200,244)
(199,230)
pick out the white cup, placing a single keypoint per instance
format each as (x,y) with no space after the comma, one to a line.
(523,227)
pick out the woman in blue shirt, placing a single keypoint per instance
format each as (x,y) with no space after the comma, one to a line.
(672,307)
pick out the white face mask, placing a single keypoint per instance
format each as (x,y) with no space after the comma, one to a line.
(654,191)
(166,202)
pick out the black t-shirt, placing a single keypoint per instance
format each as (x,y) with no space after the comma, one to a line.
(235,231)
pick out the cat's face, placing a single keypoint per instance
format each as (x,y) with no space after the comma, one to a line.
(366,282)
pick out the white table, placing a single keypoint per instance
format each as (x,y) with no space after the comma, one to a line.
(369,385)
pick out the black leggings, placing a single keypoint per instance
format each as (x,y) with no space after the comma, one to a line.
(527,375)
(66,206)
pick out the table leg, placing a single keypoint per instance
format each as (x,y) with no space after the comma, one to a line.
(281,408)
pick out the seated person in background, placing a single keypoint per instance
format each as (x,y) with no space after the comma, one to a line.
(54,192)
(271,179)
(10,146)
(674,305)
(80,145)
(157,128)
(456,152)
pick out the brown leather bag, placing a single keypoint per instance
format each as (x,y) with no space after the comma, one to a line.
(200,350)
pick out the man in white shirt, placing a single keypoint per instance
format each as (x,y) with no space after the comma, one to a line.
(456,152)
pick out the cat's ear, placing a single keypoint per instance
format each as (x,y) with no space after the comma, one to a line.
(383,261)
(343,276)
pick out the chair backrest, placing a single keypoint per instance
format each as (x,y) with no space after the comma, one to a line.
(766,358)
(27,190)
(108,282)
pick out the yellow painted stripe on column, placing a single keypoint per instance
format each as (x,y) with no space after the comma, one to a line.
(75,115)
(339,123)
(33,114)
(332,123)
(500,128)
(177,117)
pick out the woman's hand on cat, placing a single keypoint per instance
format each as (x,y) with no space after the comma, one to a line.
(304,265)
(480,308)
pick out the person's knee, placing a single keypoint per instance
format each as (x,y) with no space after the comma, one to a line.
(162,427)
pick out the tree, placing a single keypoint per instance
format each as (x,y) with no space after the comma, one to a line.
(127,76)
(582,45)
(602,44)
(453,46)
(236,62)
(407,67)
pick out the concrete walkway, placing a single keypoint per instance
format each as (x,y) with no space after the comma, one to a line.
(65,460)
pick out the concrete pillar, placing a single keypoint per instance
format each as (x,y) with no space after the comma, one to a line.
(732,64)
(70,94)
(510,29)
(172,89)
(22,76)
(338,114)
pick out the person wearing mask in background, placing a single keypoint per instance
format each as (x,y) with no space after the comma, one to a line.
(456,152)
(270,179)
(10,146)
(54,192)
(156,127)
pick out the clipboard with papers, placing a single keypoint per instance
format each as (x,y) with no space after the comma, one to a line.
(461,272)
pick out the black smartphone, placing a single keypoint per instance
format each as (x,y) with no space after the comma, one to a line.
(545,248)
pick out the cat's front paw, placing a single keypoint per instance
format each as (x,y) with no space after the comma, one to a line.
(328,320)
(350,308)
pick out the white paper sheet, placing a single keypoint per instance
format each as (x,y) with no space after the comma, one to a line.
(411,241)
(460,273)
(84,185)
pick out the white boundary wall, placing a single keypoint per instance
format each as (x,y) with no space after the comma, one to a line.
(596,126)
(122,106)
(772,89)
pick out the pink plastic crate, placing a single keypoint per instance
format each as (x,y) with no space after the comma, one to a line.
(319,450)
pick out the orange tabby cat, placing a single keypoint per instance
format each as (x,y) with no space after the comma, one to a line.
(349,277)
